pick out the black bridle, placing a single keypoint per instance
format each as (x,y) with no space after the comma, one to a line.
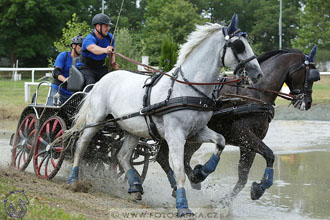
(308,81)
(311,75)
(237,47)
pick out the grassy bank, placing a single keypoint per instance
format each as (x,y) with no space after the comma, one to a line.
(40,206)
(52,200)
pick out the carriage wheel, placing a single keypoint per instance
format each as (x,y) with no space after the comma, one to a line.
(47,159)
(24,138)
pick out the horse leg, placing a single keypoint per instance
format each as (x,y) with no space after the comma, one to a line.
(190,149)
(124,157)
(163,160)
(176,139)
(258,189)
(244,165)
(200,172)
(81,147)
(257,145)
(246,160)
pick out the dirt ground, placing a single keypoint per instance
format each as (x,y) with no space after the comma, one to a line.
(93,205)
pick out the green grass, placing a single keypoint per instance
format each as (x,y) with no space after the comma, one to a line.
(12,97)
(37,207)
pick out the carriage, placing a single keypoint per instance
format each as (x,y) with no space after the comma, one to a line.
(39,125)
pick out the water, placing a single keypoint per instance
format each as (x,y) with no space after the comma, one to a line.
(301,188)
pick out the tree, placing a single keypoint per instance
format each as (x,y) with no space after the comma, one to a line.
(314,26)
(171,19)
(265,32)
(29,28)
(131,16)
(73,28)
(169,55)
(126,45)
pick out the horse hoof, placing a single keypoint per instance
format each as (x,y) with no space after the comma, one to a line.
(185,212)
(174,193)
(196,186)
(136,196)
(79,187)
(197,176)
(256,191)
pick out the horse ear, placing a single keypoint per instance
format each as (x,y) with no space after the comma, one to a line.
(312,54)
(233,26)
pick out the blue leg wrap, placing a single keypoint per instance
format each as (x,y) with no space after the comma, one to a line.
(133,181)
(73,175)
(267,180)
(171,179)
(181,199)
(210,165)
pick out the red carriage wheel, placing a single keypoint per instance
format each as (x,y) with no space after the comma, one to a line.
(48,158)
(23,143)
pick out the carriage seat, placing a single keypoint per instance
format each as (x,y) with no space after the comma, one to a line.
(76,81)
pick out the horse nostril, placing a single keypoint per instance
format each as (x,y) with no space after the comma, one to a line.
(308,105)
(259,76)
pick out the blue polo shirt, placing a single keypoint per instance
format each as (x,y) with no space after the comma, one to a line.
(93,39)
(64,61)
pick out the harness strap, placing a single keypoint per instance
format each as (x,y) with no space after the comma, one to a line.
(150,82)
(267,109)
(193,87)
(166,106)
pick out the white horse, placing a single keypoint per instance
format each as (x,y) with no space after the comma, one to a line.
(121,93)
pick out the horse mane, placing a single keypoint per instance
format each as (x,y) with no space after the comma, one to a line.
(273,53)
(195,38)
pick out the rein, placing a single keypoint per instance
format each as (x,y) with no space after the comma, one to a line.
(280,94)
(153,70)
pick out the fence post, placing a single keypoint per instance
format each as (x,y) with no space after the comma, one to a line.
(32,75)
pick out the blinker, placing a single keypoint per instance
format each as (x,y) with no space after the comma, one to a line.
(314,75)
(238,46)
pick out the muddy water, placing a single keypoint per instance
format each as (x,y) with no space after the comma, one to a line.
(301,188)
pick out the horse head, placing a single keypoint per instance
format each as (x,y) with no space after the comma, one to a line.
(301,87)
(238,54)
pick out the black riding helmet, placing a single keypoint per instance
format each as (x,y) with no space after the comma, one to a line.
(101,19)
(77,39)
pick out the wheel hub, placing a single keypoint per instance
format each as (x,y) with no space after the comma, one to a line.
(48,147)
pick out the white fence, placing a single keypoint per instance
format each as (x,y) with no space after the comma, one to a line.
(27,85)
(15,70)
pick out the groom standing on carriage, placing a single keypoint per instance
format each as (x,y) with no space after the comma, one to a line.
(96,46)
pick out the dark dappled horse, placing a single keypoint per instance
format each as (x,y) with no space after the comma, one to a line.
(121,94)
(245,124)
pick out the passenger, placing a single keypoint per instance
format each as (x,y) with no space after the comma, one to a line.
(95,48)
(61,70)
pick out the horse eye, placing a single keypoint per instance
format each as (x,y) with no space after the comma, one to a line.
(238,46)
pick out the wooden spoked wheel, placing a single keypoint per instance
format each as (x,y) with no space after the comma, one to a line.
(48,157)
(23,143)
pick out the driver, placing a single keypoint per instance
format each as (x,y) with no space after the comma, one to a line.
(61,70)
(95,48)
